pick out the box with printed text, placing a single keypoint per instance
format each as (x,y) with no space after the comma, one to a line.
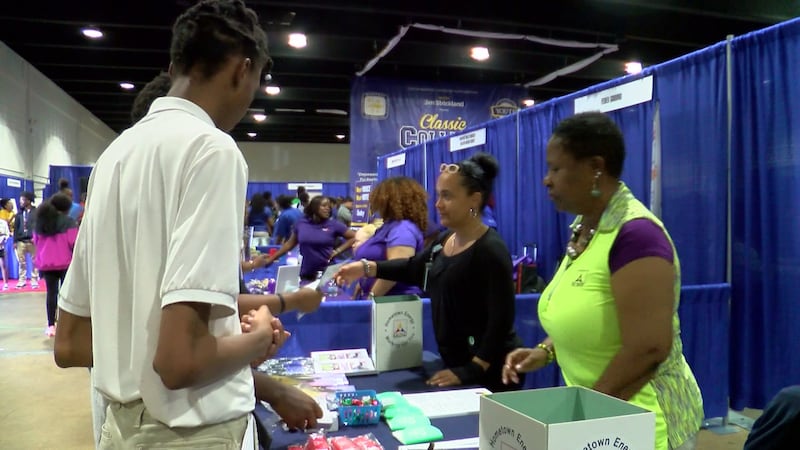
(563,418)
(397,332)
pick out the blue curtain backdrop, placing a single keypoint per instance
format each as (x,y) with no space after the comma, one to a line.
(73,174)
(501,142)
(413,168)
(538,221)
(693,101)
(766,208)
(278,188)
(636,124)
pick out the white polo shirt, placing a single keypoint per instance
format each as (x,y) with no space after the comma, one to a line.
(163,225)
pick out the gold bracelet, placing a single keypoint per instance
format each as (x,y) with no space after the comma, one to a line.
(551,354)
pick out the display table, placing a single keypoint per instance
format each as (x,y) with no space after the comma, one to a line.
(405,381)
(703,313)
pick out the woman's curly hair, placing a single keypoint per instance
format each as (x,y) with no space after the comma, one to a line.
(401,198)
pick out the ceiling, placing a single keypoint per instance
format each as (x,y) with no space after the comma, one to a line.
(344,34)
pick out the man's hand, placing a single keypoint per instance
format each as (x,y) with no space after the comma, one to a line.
(261,321)
(296,408)
(306,300)
(260,261)
(279,337)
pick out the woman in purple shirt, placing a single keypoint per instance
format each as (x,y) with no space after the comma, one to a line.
(316,233)
(402,203)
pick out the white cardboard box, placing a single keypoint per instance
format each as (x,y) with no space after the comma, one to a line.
(397,332)
(563,418)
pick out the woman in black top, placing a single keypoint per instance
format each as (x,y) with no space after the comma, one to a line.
(467,273)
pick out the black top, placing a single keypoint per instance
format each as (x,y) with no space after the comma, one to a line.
(472,302)
(24,224)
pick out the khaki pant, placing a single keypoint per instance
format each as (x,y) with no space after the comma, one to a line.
(130,427)
(22,249)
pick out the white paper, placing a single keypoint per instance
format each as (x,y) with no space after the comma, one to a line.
(456,402)
(444,445)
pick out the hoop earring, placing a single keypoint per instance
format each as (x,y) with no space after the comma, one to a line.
(595,186)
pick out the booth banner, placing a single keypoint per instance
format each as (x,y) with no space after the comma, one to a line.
(387,115)
(361,202)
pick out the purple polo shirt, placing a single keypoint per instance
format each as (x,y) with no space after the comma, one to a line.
(316,242)
(397,233)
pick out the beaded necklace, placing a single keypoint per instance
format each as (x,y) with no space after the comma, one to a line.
(577,241)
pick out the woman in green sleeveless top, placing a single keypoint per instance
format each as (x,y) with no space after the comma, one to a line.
(610,311)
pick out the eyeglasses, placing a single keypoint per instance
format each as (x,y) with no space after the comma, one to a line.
(449,168)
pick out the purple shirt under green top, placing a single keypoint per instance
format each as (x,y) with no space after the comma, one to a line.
(316,242)
(397,233)
(637,239)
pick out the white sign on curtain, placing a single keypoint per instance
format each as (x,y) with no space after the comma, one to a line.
(308,186)
(618,97)
(468,140)
(13,183)
(396,160)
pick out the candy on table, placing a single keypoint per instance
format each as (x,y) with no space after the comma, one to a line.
(343,443)
(367,442)
(317,441)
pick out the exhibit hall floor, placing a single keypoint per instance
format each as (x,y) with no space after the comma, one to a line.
(44,407)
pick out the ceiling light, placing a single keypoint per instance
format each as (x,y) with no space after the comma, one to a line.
(633,67)
(290,110)
(92,33)
(126,85)
(258,117)
(273,90)
(338,112)
(479,53)
(340,136)
(298,40)
(528,102)
(252,135)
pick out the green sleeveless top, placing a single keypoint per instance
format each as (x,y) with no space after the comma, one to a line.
(577,311)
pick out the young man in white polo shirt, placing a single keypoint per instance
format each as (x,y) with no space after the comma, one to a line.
(150,298)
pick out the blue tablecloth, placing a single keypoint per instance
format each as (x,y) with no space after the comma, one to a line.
(406,381)
(704,323)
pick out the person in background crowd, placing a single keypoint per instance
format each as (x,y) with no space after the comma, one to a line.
(403,205)
(76,210)
(54,237)
(345,213)
(467,272)
(316,234)
(611,309)
(286,221)
(363,234)
(272,211)
(5,233)
(297,202)
(175,356)
(487,215)
(7,213)
(157,87)
(83,207)
(304,200)
(7,217)
(257,218)
(24,224)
